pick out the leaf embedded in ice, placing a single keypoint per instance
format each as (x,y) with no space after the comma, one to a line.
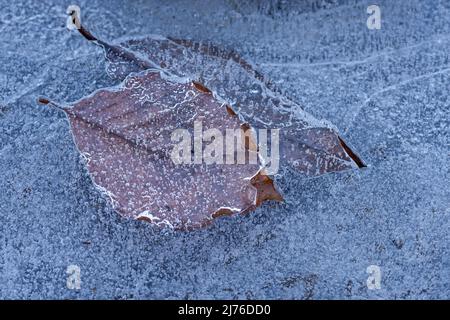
(309,145)
(127,136)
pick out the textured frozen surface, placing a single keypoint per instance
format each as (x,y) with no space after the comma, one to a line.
(387,90)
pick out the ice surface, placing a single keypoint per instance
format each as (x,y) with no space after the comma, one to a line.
(387,90)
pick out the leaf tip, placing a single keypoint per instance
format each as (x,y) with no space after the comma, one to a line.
(356,159)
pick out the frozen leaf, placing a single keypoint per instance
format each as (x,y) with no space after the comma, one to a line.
(126,135)
(309,145)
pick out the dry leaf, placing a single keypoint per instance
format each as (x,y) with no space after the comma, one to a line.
(126,133)
(309,145)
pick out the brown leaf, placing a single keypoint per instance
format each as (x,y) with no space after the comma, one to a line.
(309,145)
(125,134)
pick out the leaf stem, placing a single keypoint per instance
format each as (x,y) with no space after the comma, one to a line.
(118,50)
(45,101)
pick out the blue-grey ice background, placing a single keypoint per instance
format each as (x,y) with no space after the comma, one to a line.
(387,90)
